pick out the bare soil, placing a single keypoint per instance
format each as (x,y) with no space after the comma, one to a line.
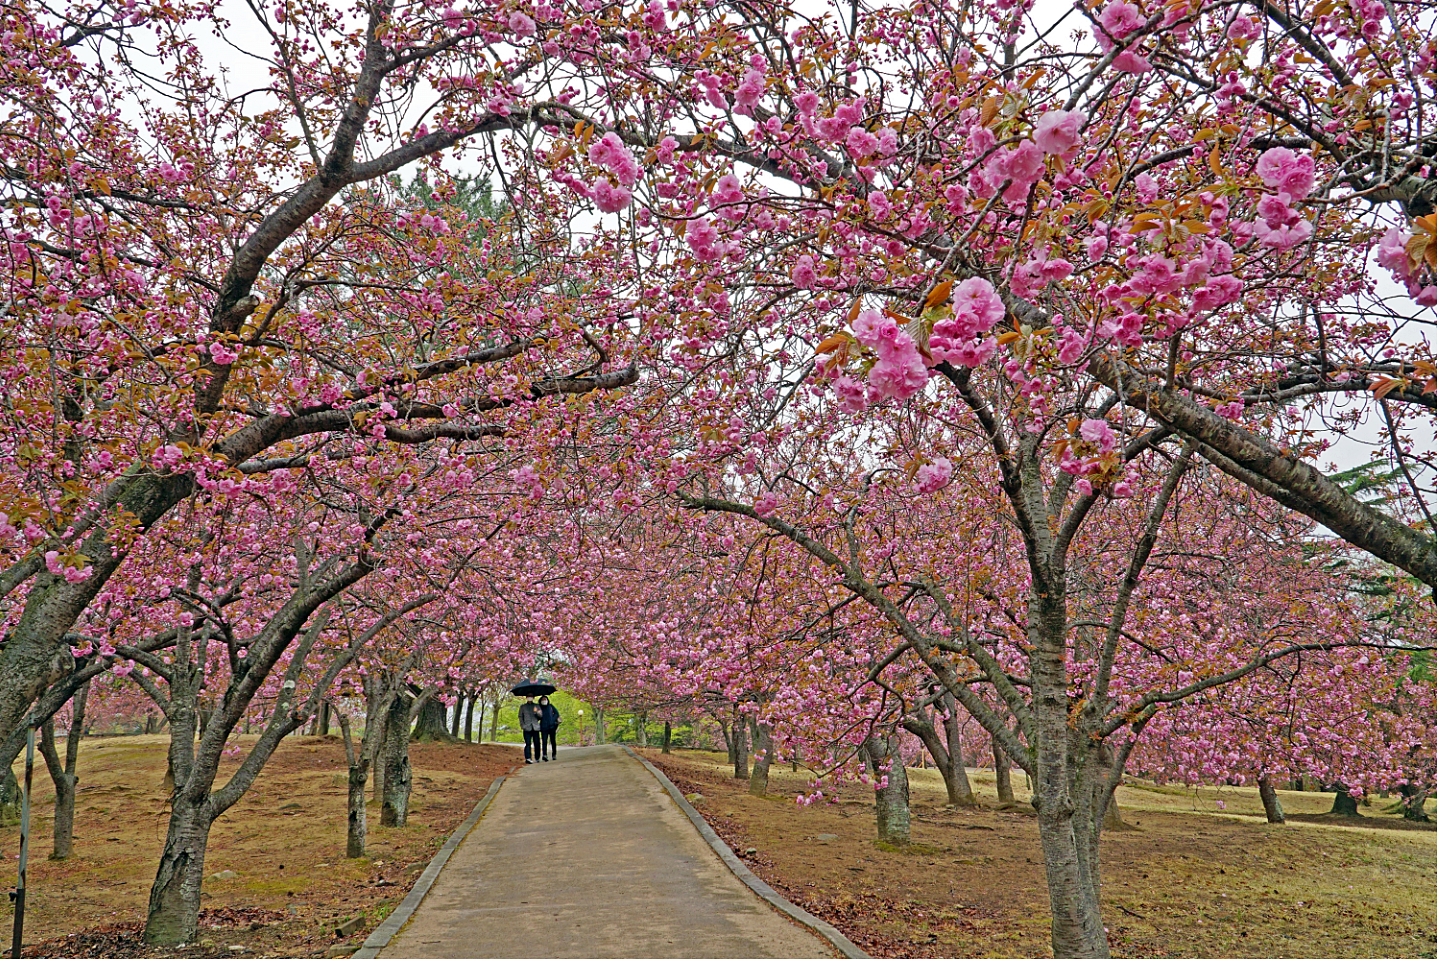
(1198,874)
(284,842)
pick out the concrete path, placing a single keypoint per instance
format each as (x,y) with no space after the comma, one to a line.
(587,856)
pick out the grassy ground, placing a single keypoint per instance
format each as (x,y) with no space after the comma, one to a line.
(284,842)
(1189,879)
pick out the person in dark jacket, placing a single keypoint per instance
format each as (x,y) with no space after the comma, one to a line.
(549,725)
(530,726)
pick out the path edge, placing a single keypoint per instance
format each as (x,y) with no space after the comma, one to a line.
(760,888)
(400,915)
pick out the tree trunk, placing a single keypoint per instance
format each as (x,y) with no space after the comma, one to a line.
(64,830)
(376,713)
(495,721)
(357,770)
(763,751)
(63,773)
(954,741)
(1414,798)
(891,794)
(174,909)
(948,761)
(728,742)
(741,749)
(432,725)
(1002,782)
(455,718)
(666,747)
(395,807)
(1064,788)
(377,772)
(1344,804)
(1113,819)
(356,828)
(470,719)
(1273,812)
(64,792)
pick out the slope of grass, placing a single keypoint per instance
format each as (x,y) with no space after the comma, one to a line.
(281,849)
(1190,879)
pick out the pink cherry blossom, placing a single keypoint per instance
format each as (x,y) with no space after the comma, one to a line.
(654,16)
(1287,172)
(900,372)
(1129,62)
(1120,19)
(611,153)
(1097,431)
(860,142)
(1243,30)
(521,25)
(223,353)
(1057,131)
(703,239)
(1071,347)
(976,299)
(608,197)
(850,394)
(803,273)
(749,92)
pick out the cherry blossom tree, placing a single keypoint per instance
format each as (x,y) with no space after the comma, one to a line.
(210,277)
(1025,330)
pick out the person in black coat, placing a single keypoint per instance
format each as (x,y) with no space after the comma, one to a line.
(549,725)
(530,726)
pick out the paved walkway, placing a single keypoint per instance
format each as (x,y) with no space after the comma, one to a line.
(587,856)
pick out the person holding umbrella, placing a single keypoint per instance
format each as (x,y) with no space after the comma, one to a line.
(530,726)
(549,725)
(530,716)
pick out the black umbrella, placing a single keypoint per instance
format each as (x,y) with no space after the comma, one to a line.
(529,688)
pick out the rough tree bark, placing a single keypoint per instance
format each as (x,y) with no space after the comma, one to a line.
(470,719)
(1065,815)
(174,907)
(62,773)
(891,800)
(665,748)
(1414,799)
(358,770)
(432,725)
(1113,819)
(1344,804)
(1002,783)
(395,807)
(741,748)
(1273,811)
(376,711)
(763,756)
(947,759)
